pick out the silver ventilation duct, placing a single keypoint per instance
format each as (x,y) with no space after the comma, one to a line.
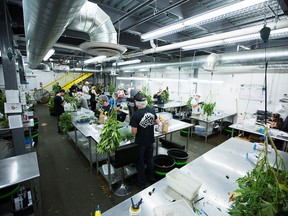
(98,25)
(45,21)
(254,57)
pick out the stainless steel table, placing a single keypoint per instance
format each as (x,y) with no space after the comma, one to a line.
(218,169)
(174,126)
(27,125)
(20,169)
(274,133)
(210,120)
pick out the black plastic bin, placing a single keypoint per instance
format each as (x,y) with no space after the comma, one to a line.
(185,132)
(179,156)
(34,135)
(36,123)
(162,165)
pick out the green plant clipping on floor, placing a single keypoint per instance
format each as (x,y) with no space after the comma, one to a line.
(110,137)
(65,122)
(264,190)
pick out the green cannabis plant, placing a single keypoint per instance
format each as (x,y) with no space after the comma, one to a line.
(264,190)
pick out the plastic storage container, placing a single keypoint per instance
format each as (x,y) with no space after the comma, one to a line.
(184,184)
(178,208)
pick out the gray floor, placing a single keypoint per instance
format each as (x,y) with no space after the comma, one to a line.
(67,185)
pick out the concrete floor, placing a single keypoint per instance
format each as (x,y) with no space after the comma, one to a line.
(67,185)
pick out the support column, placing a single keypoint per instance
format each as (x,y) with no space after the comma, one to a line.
(9,70)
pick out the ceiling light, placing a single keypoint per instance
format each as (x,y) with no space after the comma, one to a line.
(275,34)
(205,18)
(134,61)
(170,80)
(132,78)
(49,54)
(95,60)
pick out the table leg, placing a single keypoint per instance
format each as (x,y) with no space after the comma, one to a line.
(30,137)
(157,144)
(232,133)
(109,172)
(76,139)
(97,162)
(206,132)
(187,139)
(90,154)
(221,125)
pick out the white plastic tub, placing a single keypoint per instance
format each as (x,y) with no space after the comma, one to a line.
(186,185)
(178,208)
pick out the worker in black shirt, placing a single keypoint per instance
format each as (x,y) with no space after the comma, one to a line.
(59,106)
(105,107)
(142,123)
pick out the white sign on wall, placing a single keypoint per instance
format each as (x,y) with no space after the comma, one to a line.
(251,92)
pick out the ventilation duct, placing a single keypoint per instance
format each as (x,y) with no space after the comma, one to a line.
(244,58)
(97,24)
(44,22)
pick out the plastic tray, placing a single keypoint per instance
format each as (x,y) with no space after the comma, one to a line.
(186,185)
(178,208)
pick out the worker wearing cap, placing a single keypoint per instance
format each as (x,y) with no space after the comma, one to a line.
(196,104)
(104,104)
(85,88)
(142,123)
(82,101)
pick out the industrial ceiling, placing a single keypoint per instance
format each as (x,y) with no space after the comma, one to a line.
(134,19)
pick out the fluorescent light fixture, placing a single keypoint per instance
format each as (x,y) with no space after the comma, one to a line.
(49,54)
(170,80)
(132,78)
(0,54)
(95,60)
(209,17)
(274,34)
(134,61)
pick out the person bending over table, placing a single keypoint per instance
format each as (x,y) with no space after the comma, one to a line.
(276,121)
(142,123)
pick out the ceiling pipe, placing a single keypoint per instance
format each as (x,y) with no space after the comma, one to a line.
(137,8)
(95,22)
(44,22)
(253,57)
(178,3)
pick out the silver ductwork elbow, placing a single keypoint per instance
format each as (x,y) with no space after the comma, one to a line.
(95,22)
(45,21)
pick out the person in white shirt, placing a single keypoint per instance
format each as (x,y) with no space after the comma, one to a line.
(196,104)
(85,88)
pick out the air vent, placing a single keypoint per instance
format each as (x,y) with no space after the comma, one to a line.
(102,48)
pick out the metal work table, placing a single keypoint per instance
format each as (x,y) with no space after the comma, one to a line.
(174,126)
(218,169)
(210,120)
(29,125)
(274,133)
(169,105)
(20,169)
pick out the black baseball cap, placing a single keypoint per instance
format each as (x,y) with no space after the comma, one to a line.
(139,97)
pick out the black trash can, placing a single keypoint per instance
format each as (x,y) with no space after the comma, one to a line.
(36,123)
(162,165)
(180,157)
(185,132)
(34,135)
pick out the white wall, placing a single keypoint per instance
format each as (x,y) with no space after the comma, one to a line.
(227,93)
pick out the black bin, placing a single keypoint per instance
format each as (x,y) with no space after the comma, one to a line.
(162,165)
(179,156)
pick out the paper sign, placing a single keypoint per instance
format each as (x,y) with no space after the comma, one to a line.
(12,96)
(15,121)
(13,108)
